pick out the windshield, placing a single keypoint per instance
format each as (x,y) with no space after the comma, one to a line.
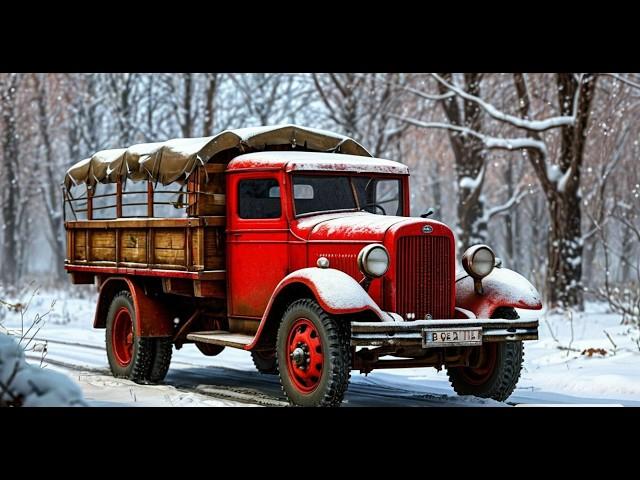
(333,193)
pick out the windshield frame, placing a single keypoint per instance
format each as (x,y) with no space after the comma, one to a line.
(349,175)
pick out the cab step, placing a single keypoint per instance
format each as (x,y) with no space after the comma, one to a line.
(221,337)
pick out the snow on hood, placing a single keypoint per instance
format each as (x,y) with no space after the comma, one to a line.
(344,226)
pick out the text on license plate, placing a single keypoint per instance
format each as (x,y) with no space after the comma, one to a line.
(441,337)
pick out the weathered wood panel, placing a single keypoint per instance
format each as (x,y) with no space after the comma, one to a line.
(197,250)
(170,239)
(79,245)
(133,246)
(214,249)
(140,243)
(102,246)
(169,256)
(208,191)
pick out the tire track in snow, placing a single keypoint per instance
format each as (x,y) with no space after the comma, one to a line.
(221,382)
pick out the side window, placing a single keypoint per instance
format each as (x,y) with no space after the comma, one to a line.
(388,195)
(259,198)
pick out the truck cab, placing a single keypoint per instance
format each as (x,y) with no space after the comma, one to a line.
(303,255)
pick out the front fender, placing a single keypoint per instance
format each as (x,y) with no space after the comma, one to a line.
(335,291)
(502,288)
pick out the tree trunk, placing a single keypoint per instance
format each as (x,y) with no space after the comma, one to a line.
(10,177)
(209,109)
(49,188)
(470,156)
(564,250)
(187,123)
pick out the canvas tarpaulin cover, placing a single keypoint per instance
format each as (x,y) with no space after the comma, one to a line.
(174,160)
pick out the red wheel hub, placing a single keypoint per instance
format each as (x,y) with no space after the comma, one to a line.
(122,337)
(486,364)
(305,357)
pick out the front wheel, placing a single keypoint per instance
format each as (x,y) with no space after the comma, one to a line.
(496,369)
(313,355)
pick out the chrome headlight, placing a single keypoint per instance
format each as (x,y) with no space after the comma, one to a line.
(478,261)
(373,260)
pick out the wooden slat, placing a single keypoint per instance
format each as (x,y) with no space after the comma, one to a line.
(150,212)
(215,168)
(189,247)
(197,255)
(147,222)
(170,239)
(214,248)
(79,245)
(80,238)
(104,254)
(133,246)
(103,239)
(168,256)
(160,271)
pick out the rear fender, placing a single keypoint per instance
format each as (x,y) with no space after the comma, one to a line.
(153,318)
(336,292)
(502,288)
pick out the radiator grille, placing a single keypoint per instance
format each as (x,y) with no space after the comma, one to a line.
(424,277)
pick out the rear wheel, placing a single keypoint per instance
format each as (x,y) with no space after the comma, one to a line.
(143,360)
(265,362)
(313,355)
(496,369)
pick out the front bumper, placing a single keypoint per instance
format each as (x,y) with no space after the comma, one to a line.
(404,334)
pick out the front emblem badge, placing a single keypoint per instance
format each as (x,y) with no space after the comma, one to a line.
(427,229)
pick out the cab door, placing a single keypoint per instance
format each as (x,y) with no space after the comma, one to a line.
(257,235)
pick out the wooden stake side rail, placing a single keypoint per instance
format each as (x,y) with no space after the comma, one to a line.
(188,244)
(207,275)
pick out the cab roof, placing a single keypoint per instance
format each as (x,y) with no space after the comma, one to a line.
(315,161)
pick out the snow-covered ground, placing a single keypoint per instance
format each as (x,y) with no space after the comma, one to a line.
(555,370)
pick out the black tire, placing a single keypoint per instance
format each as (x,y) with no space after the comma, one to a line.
(336,356)
(161,359)
(265,362)
(142,353)
(150,357)
(502,381)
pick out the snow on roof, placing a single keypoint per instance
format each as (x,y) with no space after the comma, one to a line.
(317,161)
(175,160)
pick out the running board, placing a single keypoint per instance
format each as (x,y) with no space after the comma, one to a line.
(221,337)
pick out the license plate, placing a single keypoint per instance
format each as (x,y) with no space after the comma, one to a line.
(451,337)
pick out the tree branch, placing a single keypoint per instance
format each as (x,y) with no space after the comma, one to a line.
(533,125)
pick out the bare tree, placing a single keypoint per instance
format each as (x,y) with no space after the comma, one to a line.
(559,180)
(9,85)
(48,186)
(360,105)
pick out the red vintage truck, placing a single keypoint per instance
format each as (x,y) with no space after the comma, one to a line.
(296,245)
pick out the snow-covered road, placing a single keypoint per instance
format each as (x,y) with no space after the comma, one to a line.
(551,375)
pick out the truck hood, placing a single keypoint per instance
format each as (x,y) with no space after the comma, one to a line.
(347,226)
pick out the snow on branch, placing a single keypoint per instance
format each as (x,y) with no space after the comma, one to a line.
(518,195)
(488,141)
(429,96)
(533,125)
(623,80)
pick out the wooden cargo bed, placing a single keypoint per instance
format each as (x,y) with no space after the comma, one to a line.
(148,246)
